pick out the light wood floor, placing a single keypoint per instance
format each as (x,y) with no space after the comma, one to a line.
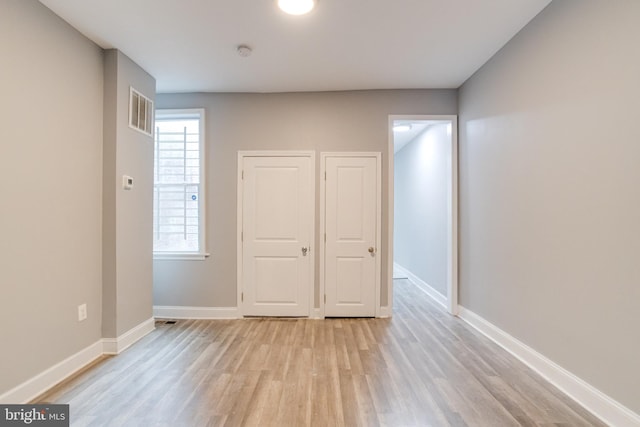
(421,368)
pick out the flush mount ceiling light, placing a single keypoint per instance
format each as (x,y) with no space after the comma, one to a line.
(402,128)
(296,7)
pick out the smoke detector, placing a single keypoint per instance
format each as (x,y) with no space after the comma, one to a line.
(244,50)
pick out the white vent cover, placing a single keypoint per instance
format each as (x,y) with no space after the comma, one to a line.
(140,112)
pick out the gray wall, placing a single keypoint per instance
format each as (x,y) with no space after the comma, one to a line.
(127,226)
(328,121)
(549,200)
(51,189)
(421,220)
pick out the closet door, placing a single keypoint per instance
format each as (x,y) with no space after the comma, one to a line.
(352,213)
(277,226)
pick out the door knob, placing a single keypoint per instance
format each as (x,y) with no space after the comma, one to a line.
(371,249)
(304,251)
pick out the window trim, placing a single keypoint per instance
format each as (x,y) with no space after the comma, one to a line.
(184,256)
(202,254)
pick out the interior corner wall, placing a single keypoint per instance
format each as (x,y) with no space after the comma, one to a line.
(421,219)
(127,226)
(51,82)
(322,121)
(110,120)
(549,200)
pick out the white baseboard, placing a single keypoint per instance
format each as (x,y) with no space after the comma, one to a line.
(385,311)
(124,341)
(423,286)
(316,314)
(34,387)
(602,406)
(184,312)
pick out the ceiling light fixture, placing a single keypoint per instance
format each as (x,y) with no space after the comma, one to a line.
(296,7)
(402,128)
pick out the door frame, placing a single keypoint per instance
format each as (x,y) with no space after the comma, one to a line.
(320,312)
(239,206)
(452,196)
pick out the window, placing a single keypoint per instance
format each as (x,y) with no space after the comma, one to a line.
(178,196)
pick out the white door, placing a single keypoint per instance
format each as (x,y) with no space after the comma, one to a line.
(277,226)
(351,274)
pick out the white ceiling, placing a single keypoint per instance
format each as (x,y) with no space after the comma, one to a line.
(190,45)
(402,138)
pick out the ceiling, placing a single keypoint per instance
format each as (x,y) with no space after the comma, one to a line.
(190,45)
(402,138)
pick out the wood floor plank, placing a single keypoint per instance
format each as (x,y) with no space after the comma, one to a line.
(269,414)
(420,368)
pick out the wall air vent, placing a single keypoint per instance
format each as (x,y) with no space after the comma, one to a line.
(140,112)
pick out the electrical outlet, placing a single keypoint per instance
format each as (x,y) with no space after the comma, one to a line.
(82,312)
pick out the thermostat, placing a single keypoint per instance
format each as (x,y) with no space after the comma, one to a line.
(127,182)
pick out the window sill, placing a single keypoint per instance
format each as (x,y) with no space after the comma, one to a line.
(161,256)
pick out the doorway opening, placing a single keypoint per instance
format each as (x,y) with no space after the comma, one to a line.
(423,194)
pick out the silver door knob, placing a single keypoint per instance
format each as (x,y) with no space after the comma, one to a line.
(371,249)
(304,251)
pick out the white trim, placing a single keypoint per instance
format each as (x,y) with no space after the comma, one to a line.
(124,341)
(323,243)
(184,312)
(180,256)
(317,313)
(110,346)
(239,185)
(452,258)
(385,312)
(602,406)
(390,211)
(436,296)
(277,153)
(39,384)
(239,228)
(34,387)
(323,170)
(378,232)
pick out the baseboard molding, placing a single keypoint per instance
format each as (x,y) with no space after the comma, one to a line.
(602,406)
(424,286)
(385,311)
(184,312)
(316,314)
(124,341)
(34,387)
